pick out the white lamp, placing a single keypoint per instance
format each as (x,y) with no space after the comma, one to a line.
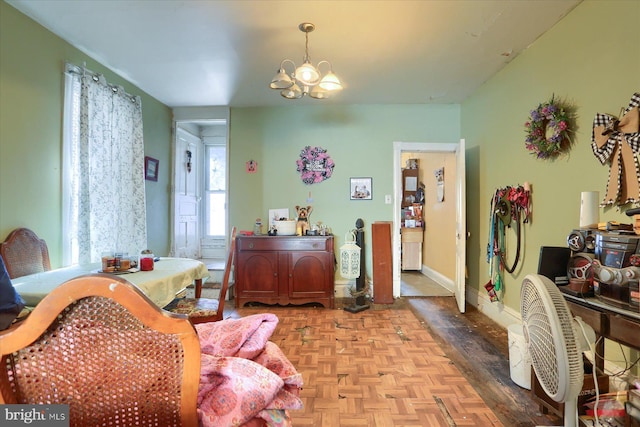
(305,79)
(281,79)
(294,92)
(350,257)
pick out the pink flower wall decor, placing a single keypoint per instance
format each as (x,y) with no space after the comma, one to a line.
(314,165)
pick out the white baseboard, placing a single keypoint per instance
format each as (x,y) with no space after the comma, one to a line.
(496,311)
(440,279)
(341,287)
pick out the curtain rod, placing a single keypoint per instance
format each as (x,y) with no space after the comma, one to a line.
(71,68)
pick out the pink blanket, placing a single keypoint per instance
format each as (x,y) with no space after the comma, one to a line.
(243,375)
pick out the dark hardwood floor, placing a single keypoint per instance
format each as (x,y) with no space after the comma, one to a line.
(480,349)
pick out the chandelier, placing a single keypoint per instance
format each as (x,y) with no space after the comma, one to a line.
(305,79)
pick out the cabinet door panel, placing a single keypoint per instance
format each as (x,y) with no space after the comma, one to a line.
(257,274)
(309,274)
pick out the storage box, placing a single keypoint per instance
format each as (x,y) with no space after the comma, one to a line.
(588,392)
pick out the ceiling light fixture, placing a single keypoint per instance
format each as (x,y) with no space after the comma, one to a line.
(305,79)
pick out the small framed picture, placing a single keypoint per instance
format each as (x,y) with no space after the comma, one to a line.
(360,189)
(151,168)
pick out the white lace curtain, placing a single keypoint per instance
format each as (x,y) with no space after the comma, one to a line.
(103,185)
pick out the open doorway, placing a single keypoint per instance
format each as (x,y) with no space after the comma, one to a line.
(200,190)
(426,257)
(427,223)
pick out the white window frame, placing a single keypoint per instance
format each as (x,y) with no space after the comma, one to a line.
(217,141)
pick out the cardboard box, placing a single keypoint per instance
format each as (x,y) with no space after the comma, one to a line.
(588,392)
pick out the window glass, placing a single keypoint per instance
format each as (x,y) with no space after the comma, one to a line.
(215,192)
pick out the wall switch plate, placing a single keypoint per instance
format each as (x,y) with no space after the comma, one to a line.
(387,199)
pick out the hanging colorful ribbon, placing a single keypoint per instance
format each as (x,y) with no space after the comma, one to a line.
(508,205)
(617,141)
(494,273)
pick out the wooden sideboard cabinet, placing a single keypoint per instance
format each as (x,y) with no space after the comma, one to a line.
(284,270)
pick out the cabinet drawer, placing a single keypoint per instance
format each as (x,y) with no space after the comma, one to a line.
(411,235)
(285,243)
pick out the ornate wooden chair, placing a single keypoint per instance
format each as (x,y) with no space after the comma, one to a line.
(200,310)
(99,345)
(24,253)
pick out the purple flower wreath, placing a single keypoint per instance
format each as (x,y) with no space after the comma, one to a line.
(314,165)
(547,130)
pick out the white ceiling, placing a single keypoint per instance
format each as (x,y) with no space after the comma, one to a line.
(204,53)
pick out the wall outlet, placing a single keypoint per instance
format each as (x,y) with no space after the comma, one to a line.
(387,199)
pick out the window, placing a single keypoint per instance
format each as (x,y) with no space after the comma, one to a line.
(103,153)
(215,187)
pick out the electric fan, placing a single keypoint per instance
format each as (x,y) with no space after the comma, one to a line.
(555,341)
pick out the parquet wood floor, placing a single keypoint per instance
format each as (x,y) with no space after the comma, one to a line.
(380,367)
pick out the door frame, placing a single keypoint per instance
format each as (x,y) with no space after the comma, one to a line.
(197,116)
(424,147)
(182,118)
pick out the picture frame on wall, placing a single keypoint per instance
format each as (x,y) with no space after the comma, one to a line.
(151,168)
(361,188)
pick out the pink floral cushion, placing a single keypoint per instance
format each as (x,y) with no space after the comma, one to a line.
(243,375)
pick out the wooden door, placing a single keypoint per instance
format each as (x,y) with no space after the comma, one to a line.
(186,234)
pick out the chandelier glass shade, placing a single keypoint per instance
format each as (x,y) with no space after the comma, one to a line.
(306,79)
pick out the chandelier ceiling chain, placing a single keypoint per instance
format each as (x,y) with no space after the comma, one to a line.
(306,42)
(307,78)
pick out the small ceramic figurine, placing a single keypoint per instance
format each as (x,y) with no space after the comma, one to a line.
(302,224)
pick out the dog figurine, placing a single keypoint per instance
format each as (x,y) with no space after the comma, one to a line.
(302,224)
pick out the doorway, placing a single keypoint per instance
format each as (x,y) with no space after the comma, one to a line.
(441,269)
(199,189)
(427,216)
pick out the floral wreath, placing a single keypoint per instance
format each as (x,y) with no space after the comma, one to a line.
(314,165)
(547,130)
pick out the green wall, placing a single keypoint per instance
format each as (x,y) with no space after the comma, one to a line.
(358,138)
(590,59)
(31,97)
(578,60)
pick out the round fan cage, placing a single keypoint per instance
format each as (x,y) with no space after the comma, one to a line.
(551,342)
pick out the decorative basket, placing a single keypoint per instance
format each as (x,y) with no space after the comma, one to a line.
(286,227)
